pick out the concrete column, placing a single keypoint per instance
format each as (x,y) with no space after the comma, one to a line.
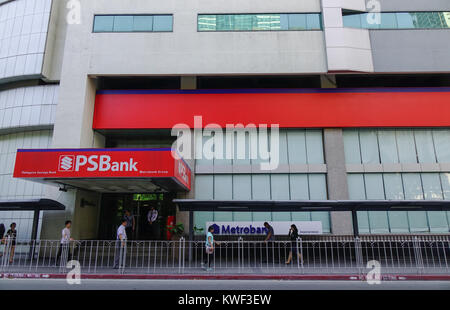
(341,222)
(188,82)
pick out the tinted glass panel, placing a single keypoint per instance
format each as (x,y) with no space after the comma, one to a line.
(400,20)
(103,23)
(132,23)
(123,24)
(162,23)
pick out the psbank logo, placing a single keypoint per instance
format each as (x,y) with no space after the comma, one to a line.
(101,163)
(66,163)
(182,171)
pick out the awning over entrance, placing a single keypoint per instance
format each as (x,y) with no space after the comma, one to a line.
(105,170)
(308,205)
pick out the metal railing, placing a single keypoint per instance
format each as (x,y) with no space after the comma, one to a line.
(326,255)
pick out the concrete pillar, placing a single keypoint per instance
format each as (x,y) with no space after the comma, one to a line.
(341,222)
(187,83)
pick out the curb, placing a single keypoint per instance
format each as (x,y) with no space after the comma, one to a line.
(387,277)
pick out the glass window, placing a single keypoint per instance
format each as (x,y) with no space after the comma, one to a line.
(297,22)
(323,217)
(103,23)
(398,221)
(369,146)
(205,186)
(442,143)
(363,222)
(259,22)
(352,20)
(406,146)
(425,146)
(438,222)
(314,146)
(405,20)
(445,181)
(317,187)
(296,146)
(313,22)
(223,216)
(261,187)
(378,221)
(388,146)
(143,23)
(299,187)
(123,24)
(356,188)
(223,187)
(201,218)
(162,23)
(301,216)
(374,186)
(393,186)
(432,186)
(207,22)
(388,21)
(351,147)
(280,186)
(371,20)
(242,187)
(413,186)
(418,221)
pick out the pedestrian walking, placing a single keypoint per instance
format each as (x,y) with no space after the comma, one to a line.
(270,237)
(131,224)
(64,245)
(209,248)
(11,236)
(152,217)
(121,242)
(2,233)
(294,252)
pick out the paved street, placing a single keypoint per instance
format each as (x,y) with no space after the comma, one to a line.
(32,284)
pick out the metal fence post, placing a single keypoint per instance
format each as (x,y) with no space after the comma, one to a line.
(180,254)
(418,255)
(358,255)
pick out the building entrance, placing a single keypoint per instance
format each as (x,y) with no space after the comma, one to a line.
(114,207)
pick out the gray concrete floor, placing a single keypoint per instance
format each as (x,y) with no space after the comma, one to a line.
(56,284)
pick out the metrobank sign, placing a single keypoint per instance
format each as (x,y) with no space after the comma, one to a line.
(257,228)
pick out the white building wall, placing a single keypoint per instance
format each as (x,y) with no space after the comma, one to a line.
(23,35)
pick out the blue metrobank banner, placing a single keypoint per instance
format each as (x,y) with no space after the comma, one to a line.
(257,228)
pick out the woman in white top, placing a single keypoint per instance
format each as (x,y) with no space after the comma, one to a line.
(65,240)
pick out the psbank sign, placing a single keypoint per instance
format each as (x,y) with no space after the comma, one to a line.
(101,163)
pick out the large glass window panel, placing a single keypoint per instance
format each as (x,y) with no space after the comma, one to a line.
(284,22)
(220,147)
(242,187)
(374,186)
(301,216)
(388,21)
(123,24)
(243,22)
(262,217)
(352,20)
(143,23)
(296,146)
(299,187)
(297,22)
(406,146)
(413,186)
(207,23)
(263,22)
(323,217)
(388,146)
(317,187)
(204,187)
(363,222)
(313,21)
(432,186)
(275,22)
(201,158)
(378,222)
(438,222)
(162,23)
(393,186)
(442,143)
(369,146)
(283,148)
(201,218)
(356,188)
(314,146)
(223,187)
(398,222)
(445,181)
(242,143)
(405,20)
(425,146)
(103,23)
(418,221)
(223,216)
(351,147)
(280,186)
(281,217)
(261,187)
(242,216)
(370,20)
(225,22)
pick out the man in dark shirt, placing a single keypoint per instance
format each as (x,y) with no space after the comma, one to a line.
(270,237)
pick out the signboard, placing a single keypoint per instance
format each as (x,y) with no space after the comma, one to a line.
(101,163)
(257,228)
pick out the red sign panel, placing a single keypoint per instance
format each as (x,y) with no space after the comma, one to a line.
(319,108)
(101,163)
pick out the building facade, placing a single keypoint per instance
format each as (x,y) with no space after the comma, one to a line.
(361,98)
